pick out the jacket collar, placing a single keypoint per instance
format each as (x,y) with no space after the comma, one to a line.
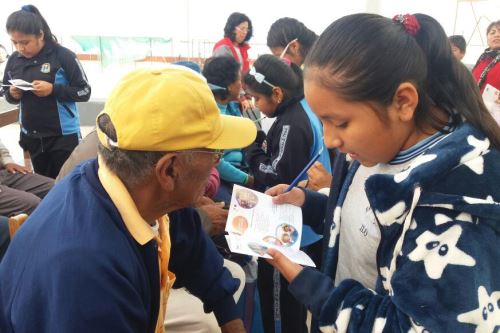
(391,195)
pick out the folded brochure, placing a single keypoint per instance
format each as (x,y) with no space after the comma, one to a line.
(255,224)
(21,84)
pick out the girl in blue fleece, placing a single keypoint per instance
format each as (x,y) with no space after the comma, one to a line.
(412,224)
(224,78)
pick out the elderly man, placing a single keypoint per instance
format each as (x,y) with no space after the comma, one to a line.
(94,256)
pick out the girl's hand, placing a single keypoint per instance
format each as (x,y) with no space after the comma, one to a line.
(294,197)
(288,269)
(16,93)
(318,177)
(42,88)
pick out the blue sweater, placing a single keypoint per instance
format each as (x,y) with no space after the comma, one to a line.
(233,160)
(439,254)
(74,267)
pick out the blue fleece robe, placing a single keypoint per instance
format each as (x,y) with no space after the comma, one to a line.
(439,254)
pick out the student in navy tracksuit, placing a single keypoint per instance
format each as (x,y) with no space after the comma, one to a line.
(50,124)
(279,157)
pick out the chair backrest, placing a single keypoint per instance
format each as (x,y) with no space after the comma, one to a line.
(15,222)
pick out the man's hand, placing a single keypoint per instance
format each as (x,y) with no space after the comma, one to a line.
(217,215)
(16,93)
(233,326)
(318,177)
(294,197)
(14,168)
(288,269)
(42,88)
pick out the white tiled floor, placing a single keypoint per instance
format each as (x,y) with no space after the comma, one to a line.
(9,135)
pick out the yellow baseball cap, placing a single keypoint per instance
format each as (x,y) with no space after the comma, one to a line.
(168,109)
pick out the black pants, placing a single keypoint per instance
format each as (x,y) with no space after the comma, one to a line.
(293,314)
(48,154)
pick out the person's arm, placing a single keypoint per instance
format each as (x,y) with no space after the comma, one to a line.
(222,51)
(289,156)
(12,94)
(230,173)
(233,326)
(77,89)
(445,288)
(199,267)
(5,157)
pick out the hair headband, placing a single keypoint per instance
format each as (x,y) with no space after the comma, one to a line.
(409,22)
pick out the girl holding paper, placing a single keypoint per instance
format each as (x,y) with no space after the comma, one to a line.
(50,124)
(487,68)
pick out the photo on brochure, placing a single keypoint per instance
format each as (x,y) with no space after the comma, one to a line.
(255,224)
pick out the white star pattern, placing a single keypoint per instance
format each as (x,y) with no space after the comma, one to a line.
(487,316)
(442,219)
(395,214)
(386,281)
(476,201)
(439,251)
(422,159)
(473,159)
(413,224)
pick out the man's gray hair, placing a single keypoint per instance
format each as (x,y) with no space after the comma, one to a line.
(131,166)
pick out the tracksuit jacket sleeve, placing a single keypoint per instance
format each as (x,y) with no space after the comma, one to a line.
(198,266)
(289,155)
(77,89)
(5,80)
(314,209)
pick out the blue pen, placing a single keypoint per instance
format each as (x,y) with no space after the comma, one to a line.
(303,172)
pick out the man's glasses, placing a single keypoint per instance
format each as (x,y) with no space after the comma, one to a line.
(287,46)
(260,78)
(217,153)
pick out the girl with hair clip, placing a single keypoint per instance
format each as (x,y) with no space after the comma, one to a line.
(277,87)
(50,124)
(412,226)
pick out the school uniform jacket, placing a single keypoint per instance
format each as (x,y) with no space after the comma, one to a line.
(439,253)
(286,149)
(56,114)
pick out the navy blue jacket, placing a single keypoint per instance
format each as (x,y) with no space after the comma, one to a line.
(439,255)
(56,114)
(74,267)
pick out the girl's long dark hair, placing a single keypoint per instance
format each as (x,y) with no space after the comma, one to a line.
(29,21)
(365,57)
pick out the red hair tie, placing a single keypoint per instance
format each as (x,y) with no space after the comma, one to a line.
(409,22)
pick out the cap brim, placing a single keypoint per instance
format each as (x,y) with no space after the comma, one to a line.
(237,132)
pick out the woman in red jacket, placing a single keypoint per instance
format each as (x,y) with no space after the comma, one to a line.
(487,68)
(237,33)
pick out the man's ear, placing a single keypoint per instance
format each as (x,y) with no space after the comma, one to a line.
(405,101)
(167,171)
